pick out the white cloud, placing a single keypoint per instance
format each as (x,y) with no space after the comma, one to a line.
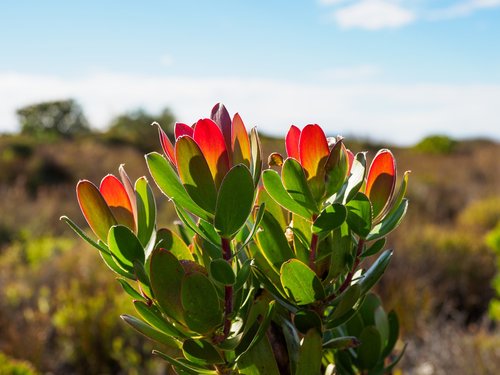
(331,2)
(380,14)
(373,15)
(386,112)
(461,9)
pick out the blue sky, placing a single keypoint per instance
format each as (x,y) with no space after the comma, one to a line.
(391,70)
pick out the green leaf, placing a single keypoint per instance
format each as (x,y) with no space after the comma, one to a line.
(393,364)
(222,272)
(310,354)
(201,303)
(359,215)
(150,332)
(272,242)
(195,173)
(235,201)
(170,241)
(179,365)
(367,310)
(259,360)
(329,219)
(382,324)
(146,211)
(166,274)
(256,156)
(258,218)
(130,290)
(261,331)
(389,223)
(336,168)
(341,343)
(375,272)
(374,248)
(301,283)
(83,235)
(187,220)
(392,319)
(274,187)
(295,182)
(201,352)
(356,178)
(168,182)
(305,320)
(338,260)
(272,206)
(125,247)
(94,208)
(370,349)
(153,317)
(397,198)
(346,302)
(243,274)
(112,265)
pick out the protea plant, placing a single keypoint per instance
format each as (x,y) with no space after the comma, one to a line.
(258,279)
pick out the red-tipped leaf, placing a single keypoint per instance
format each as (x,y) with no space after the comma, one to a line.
(240,143)
(115,195)
(182,129)
(166,145)
(209,138)
(292,142)
(221,117)
(95,209)
(314,151)
(381,180)
(127,184)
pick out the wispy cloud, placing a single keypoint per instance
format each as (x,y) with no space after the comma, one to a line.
(373,15)
(387,112)
(382,14)
(461,9)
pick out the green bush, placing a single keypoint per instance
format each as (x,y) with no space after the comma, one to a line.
(436,144)
(10,366)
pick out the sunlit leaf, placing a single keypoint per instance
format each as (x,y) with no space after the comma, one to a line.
(381,180)
(195,173)
(274,187)
(292,142)
(125,247)
(146,211)
(117,199)
(209,138)
(169,183)
(313,149)
(301,283)
(94,208)
(240,142)
(172,242)
(295,183)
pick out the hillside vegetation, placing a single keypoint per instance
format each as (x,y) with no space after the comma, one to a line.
(59,308)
